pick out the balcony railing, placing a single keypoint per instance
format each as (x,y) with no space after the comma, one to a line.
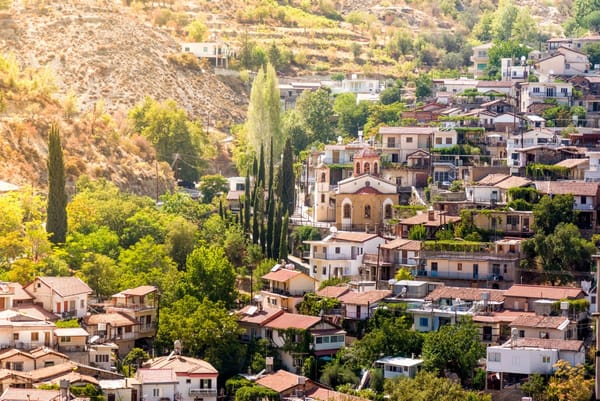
(203,391)
(457,275)
(335,256)
(135,307)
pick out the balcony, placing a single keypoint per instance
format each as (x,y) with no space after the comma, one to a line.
(456,275)
(128,307)
(335,256)
(208,392)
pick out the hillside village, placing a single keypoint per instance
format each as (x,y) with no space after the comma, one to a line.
(475,218)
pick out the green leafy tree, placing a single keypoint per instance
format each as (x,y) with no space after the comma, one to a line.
(293,128)
(454,348)
(316,109)
(102,241)
(417,232)
(196,31)
(503,49)
(180,239)
(549,212)
(426,386)
(504,19)
(351,116)
(263,126)
(144,222)
(56,224)
(211,186)
(209,274)
(593,52)
(99,272)
(206,329)
(177,140)
(423,86)
(569,383)
(134,359)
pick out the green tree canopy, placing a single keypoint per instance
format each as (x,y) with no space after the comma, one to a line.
(549,212)
(211,186)
(316,110)
(56,224)
(426,386)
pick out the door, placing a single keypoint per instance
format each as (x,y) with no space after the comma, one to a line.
(47,339)
(58,307)
(475,271)
(134,396)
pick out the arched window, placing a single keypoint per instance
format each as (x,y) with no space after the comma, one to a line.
(347,211)
(357,168)
(375,168)
(388,211)
(367,168)
(322,177)
(367,211)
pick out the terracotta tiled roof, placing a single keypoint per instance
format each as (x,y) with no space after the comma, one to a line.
(366,152)
(34,311)
(293,320)
(547,343)
(74,377)
(570,163)
(66,286)
(261,316)
(140,291)
(324,394)
(539,321)
(423,218)
(543,292)
(282,275)
(279,381)
(407,130)
(50,372)
(567,187)
(333,291)
(505,316)
(146,376)
(349,236)
(181,365)
(29,394)
(492,179)
(494,84)
(114,319)
(465,294)
(20,294)
(43,351)
(513,182)
(404,244)
(365,297)
(9,352)
(8,373)
(70,332)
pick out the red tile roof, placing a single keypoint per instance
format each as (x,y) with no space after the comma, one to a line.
(567,187)
(539,321)
(365,297)
(404,244)
(423,218)
(465,294)
(543,292)
(513,182)
(548,343)
(29,394)
(570,163)
(333,291)
(181,365)
(324,394)
(505,316)
(279,381)
(293,320)
(114,319)
(261,316)
(146,376)
(282,275)
(492,179)
(66,286)
(353,236)
(140,291)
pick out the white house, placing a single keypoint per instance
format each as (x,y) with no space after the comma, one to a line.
(593,172)
(394,366)
(64,296)
(217,52)
(156,384)
(340,254)
(360,305)
(528,356)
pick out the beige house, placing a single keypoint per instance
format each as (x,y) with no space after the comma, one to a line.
(63,296)
(564,62)
(398,142)
(284,287)
(480,59)
(539,326)
(523,297)
(504,222)
(24,332)
(538,92)
(71,339)
(140,304)
(117,327)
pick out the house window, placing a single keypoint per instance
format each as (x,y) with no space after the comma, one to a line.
(337,249)
(409,139)
(583,200)
(423,322)
(481,66)
(347,211)
(322,198)
(315,269)
(521,333)
(82,304)
(512,220)
(35,336)
(128,329)
(205,383)
(188,381)
(18,366)
(367,211)
(357,168)
(47,364)
(438,141)
(155,392)
(16,336)
(459,267)
(434,266)
(388,211)
(448,141)
(536,90)
(367,168)
(494,356)
(375,168)
(65,339)
(324,270)
(545,359)
(102,358)
(323,177)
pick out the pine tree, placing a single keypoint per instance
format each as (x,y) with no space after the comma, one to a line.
(283,242)
(56,224)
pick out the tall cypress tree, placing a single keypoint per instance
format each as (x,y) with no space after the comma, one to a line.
(285,186)
(56,224)
(283,242)
(270,208)
(277,230)
(247,203)
(261,168)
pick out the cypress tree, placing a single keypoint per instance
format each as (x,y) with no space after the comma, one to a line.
(247,203)
(285,186)
(56,224)
(256,216)
(277,230)
(261,168)
(270,208)
(283,242)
